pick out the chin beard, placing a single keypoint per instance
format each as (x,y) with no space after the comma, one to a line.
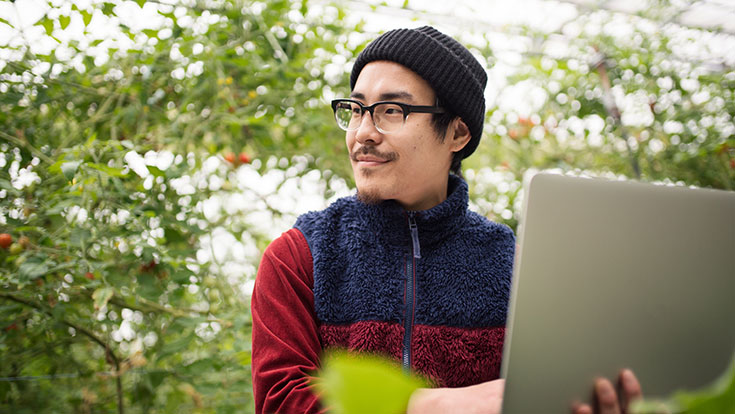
(369,197)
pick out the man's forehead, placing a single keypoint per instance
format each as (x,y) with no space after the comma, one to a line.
(387,80)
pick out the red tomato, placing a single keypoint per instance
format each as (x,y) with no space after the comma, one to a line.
(5,240)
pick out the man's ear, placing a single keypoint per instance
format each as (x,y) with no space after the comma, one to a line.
(458,134)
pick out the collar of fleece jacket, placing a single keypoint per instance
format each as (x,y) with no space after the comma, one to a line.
(390,221)
(360,254)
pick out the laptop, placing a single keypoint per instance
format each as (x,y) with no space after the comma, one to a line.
(612,275)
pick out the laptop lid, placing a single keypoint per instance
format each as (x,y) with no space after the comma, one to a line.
(613,274)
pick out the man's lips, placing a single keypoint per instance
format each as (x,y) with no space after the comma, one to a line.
(364,160)
(370,157)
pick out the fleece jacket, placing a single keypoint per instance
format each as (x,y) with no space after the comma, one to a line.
(427,288)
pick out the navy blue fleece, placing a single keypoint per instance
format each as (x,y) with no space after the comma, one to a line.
(360,251)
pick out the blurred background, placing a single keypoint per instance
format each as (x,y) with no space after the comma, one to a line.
(150,150)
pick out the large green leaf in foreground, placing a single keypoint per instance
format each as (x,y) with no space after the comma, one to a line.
(717,398)
(351,384)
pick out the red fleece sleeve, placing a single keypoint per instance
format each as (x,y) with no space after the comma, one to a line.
(286,345)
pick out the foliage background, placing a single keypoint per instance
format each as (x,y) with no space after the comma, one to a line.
(137,227)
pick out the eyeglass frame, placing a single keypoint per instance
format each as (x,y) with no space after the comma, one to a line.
(406,108)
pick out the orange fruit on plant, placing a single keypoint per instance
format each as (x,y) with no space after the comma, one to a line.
(5,240)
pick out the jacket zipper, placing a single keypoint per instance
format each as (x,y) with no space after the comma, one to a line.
(410,291)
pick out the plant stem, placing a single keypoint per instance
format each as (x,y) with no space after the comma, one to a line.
(108,352)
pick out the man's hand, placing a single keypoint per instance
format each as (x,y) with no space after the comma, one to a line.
(487,398)
(606,397)
(483,398)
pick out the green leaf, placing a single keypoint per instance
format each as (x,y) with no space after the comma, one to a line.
(111,171)
(173,236)
(364,384)
(5,185)
(202,365)
(243,357)
(62,266)
(69,169)
(101,296)
(60,206)
(157,172)
(5,21)
(22,229)
(47,24)
(107,8)
(181,275)
(150,32)
(79,237)
(147,287)
(31,269)
(87,17)
(175,346)
(156,377)
(64,21)
(717,398)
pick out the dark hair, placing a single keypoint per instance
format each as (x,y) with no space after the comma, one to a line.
(441,123)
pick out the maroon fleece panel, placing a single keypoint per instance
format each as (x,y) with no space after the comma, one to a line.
(451,357)
(286,345)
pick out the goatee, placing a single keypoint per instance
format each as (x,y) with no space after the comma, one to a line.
(369,197)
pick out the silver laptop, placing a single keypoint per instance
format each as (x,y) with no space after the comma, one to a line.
(613,274)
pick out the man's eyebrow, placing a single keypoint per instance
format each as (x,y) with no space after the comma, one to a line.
(387,96)
(392,96)
(357,95)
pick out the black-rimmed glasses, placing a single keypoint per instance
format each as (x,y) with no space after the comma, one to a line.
(388,116)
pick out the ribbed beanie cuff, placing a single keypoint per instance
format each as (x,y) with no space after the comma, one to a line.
(452,71)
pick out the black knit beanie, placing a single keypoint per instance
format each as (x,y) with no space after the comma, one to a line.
(452,71)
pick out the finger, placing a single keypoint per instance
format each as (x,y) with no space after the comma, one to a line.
(580,408)
(630,387)
(607,398)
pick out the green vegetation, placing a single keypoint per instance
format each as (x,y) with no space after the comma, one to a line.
(352,384)
(717,398)
(120,183)
(149,153)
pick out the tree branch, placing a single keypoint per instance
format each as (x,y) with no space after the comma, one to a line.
(78,328)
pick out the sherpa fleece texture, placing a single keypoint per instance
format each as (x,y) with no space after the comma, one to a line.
(360,253)
(347,287)
(462,283)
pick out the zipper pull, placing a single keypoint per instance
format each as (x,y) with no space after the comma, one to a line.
(414,236)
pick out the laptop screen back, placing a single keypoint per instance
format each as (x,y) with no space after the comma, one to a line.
(612,275)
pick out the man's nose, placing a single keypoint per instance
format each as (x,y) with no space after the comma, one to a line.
(367,132)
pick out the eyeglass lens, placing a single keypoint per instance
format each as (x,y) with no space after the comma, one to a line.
(387,117)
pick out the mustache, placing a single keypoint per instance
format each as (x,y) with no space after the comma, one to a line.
(367,150)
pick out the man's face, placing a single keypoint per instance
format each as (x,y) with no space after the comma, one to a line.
(411,165)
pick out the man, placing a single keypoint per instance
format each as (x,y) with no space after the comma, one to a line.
(402,268)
